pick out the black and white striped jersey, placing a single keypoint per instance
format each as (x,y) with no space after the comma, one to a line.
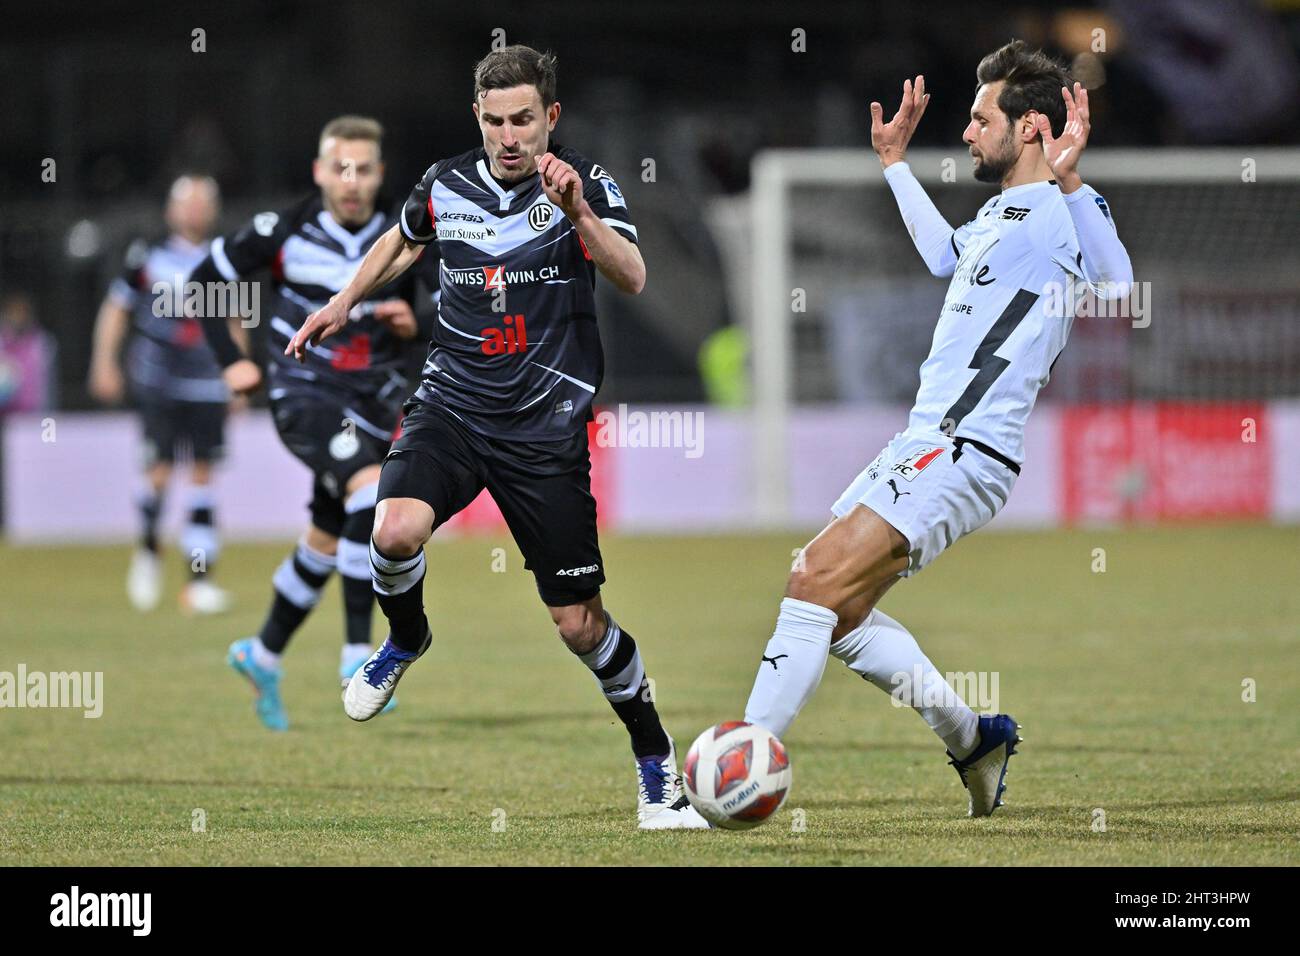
(516,351)
(168,357)
(311,257)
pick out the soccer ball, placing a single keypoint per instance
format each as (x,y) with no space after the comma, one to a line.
(737,775)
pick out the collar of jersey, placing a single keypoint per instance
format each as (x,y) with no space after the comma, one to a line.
(504,196)
(352,242)
(1026,187)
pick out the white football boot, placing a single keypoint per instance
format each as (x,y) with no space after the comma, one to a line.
(372,686)
(660,802)
(984,772)
(204,597)
(144,580)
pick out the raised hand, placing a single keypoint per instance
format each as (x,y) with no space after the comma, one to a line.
(890,140)
(562,184)
(1062,152)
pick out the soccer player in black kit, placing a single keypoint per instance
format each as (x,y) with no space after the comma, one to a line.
(336,411)
(176,385)
(522,226)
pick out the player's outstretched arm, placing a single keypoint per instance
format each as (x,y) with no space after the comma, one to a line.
(618,260)
(930,232)
(1103,258)
(390,256)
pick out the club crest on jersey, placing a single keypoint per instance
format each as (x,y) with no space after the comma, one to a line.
(915,463)
(264,223)
(539,217)
(344,445)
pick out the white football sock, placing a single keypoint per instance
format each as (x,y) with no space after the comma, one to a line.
(885,653)
(352,655)
(263,658)
(792,665)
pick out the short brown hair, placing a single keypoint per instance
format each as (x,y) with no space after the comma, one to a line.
(1033,82)
(353,127)
(516,65)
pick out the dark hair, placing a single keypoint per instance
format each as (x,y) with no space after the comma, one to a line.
(516,65)
(1033,82)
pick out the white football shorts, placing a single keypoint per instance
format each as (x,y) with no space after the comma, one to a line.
(931,500)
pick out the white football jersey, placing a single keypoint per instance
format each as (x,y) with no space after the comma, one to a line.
(1005,320)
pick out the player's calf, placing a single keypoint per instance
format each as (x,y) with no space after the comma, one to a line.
(397,568)
(580,626)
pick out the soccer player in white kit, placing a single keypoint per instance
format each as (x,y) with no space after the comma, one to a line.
(1004,322)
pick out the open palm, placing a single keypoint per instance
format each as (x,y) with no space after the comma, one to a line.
(1062,152)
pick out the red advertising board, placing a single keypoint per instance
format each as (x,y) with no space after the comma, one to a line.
(1165,461)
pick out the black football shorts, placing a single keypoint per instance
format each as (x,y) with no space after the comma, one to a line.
(542,488)
(335,435)
(175,429)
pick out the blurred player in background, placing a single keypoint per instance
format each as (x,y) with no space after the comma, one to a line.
(1004,322)
(522,226)
(177,386)
(336,412)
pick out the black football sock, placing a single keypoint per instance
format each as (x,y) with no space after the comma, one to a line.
(199,539)
(616,662)
(298,582)
(150,504)
(399,588)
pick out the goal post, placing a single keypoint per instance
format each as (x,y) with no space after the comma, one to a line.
(814,189)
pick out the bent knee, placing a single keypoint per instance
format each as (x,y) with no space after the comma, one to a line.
(401,531)
(818,582)
(579,628)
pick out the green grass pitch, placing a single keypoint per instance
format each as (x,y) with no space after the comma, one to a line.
(1129,684)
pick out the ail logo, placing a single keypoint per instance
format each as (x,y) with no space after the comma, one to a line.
(513,338)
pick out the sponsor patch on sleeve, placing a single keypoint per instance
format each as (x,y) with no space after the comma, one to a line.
(612,193)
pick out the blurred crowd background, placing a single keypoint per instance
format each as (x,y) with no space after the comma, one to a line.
(117,96)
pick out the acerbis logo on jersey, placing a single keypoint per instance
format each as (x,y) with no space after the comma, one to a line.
(911,466)
(575,572)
